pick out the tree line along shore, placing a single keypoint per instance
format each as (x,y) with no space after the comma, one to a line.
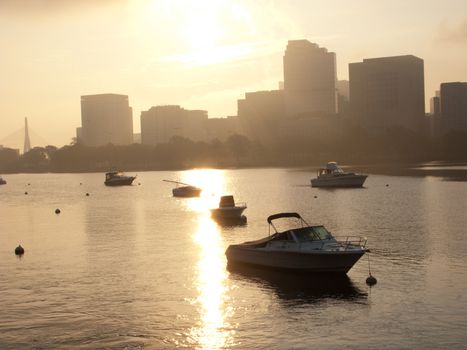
(357,147)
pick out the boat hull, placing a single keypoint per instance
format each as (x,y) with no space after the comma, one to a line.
(312,262)
(120,182)
(179,192)
(229,222)
(227,212)
(339,181)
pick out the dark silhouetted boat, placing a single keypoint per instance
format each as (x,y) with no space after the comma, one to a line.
(228,209)
(304,248)
(116,178)
(2,181)
(185,190)
(334,176)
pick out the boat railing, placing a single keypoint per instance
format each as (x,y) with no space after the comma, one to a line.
(240,204)
(351,241)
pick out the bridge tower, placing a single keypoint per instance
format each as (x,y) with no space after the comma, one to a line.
(27,142)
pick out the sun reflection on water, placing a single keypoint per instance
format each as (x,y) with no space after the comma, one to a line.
(211,181)
(213,330)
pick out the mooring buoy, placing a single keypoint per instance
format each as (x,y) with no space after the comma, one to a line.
(57,211)
(19,250)
(371,281)
(25,192)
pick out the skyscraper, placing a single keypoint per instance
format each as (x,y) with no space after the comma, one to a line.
(159,124)
(261,115)
(106,118)
(309,79)
(387,92)
(453,98)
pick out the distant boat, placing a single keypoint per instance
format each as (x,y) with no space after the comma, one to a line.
(116,178)
(2,182)
(304,248)
(185,190)
(228,209)
(334,176)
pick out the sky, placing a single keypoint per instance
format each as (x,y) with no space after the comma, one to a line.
(200,54)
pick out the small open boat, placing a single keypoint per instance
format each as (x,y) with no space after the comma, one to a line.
(185,190)
(2,182)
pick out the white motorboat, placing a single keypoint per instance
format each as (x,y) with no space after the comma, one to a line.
(334,176)
(304,248)
(185,190)
(116,178)
(228,209)
(2,182)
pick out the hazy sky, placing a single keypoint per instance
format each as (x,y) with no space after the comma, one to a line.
(199,54)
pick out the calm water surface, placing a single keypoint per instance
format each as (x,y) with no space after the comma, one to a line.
(135,268)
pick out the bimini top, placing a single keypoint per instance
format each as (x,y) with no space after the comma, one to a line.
(283,215)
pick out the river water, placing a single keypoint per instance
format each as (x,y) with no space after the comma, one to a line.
(135,268)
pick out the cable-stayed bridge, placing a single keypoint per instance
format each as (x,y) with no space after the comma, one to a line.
(18,139)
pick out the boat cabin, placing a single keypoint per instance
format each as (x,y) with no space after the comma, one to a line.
(227,201)
(331,168)
(112,174)
(304,234)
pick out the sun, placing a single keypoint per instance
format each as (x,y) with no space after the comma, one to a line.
(205,31)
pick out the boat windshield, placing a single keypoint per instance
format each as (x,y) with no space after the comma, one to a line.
(312,233)
(333,168)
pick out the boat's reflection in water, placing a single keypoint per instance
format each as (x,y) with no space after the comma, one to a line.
(300,287)
(230,222)
(212,331)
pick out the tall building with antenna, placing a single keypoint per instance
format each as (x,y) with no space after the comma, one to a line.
(27,141)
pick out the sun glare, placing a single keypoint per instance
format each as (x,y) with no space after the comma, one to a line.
(211,181)
(203,31)
(208,30)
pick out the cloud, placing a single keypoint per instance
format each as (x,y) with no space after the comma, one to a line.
(454,34)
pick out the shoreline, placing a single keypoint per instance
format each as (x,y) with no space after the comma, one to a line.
(454,170)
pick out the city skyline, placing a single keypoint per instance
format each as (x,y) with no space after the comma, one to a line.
(54,54)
